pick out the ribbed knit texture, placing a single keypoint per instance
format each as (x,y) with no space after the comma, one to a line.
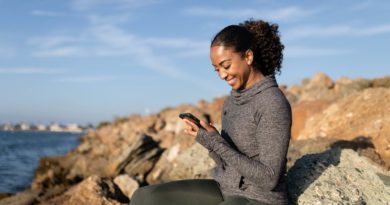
(250,153)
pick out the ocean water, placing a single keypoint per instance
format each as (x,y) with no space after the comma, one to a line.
(20,153)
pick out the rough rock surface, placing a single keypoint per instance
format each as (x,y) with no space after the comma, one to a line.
(338,176)
(126,184)
(362,145)
(364,113)
(93,190)
(23,198)
(176,164)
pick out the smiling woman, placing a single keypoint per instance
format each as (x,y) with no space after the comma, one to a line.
(250,152)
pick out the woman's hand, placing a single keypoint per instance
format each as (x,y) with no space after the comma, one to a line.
(192,129)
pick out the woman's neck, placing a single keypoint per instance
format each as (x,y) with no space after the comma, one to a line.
(254,77)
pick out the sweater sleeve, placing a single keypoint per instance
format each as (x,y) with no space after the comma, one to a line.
(273,131)
(217,159)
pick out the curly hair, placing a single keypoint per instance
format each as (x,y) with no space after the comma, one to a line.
(259,36)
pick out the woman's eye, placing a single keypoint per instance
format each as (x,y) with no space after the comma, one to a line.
(226,67)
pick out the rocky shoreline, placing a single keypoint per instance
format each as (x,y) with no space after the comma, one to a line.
(339,153)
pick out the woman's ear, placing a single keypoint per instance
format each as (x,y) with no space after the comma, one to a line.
(249,57)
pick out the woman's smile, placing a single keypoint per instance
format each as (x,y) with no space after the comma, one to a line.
(232,81)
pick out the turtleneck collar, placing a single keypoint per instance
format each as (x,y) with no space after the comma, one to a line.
(241,97)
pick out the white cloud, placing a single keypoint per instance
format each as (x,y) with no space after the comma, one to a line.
(59,52)
(105,39)
(85,5)
(299,51)
(335,30)
(111,19)
(31,70)
(46,13)
(283,13)
(52,41)
(176,43)
(88,79)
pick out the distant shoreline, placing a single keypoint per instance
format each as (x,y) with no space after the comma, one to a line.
(75,132)
(55,127)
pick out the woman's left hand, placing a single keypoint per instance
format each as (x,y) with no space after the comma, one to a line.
(192,129)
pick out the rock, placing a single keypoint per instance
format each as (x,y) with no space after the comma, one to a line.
(23,198)
(301,111)
(320,80)
(52,171)
(126,184)
(345,86)
(364,113)
(137,160)
(93,190)
(338,176)
(381,82)
(362,145)
(213,109)
(177,163)
(5,195)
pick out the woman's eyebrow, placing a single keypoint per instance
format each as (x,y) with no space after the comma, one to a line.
(220,63)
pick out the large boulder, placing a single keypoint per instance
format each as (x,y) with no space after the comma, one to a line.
(93,190)
(302,111)
(338,176)
(182,163)
(362,145)
(136,159)
(23,198)
(364,113)
(126,184)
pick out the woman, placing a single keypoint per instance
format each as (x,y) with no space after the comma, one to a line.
(250,153)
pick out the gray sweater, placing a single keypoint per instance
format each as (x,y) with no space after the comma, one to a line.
(250,153)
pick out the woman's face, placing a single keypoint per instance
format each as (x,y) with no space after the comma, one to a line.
(232,67)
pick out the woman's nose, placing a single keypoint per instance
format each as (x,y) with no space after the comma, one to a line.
(222,74)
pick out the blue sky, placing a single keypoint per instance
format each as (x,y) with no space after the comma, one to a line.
(88,61)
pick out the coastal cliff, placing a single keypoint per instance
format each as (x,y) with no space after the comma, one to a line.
(339,153)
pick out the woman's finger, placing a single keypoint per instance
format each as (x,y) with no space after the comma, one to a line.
(191,124)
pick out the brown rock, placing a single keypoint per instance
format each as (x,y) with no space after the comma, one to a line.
(302,111)
(182,163)
(137,160)
(362,145)
(320,80)
(23,198)
(93,190)
(363,113)
(126,184)
(5,195)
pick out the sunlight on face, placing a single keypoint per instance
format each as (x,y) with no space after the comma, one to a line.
(232,67)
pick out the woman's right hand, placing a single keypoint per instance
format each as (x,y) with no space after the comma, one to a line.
(192,129)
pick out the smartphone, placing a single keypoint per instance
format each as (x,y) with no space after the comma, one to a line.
(190,117)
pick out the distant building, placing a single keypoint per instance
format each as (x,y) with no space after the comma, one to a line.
(56,128)
(42,127)
(8,127)
(73,128)
(24,127)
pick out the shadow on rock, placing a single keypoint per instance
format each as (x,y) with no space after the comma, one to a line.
(307,169)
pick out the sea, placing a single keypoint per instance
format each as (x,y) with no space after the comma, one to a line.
(20,152)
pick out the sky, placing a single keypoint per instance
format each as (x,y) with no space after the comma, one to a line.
(88,61)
